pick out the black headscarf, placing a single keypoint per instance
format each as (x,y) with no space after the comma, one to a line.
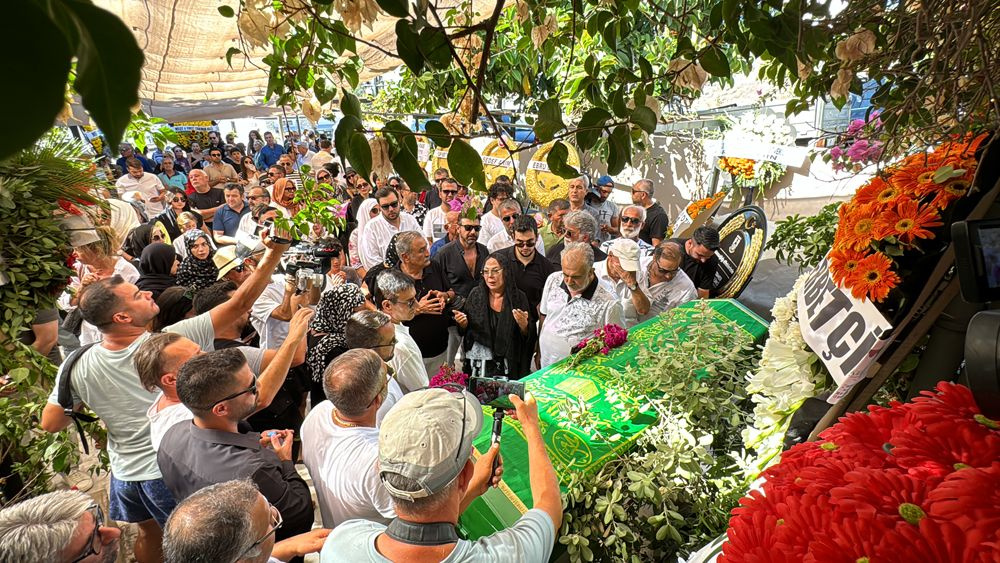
(154,268)
(391,261)
(505,339)
(194,273)
(175,304)
(335,307)
(137,240)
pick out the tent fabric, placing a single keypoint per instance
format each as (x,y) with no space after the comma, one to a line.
(186,77)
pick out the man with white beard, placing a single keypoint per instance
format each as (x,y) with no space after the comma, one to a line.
(632,219)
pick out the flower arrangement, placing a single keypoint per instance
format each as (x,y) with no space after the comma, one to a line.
(892,215)
(912,482)
(742,169)
(696,208)
(447,375)
(604,339)
(756,128)
(788,374)
(860,147)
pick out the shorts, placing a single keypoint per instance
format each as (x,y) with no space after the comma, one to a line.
(138,501)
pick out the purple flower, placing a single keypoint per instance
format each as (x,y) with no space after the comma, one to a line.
(874,151)
(858,150)
(836,152)
(855,127)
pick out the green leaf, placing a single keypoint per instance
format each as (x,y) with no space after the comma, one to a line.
(466,165)
(945,173)
(644,118)
(361,155)
(437,133)
(226,11)
(39,99)
(714,61)
(619,103)
(109,67)
(549,121)
(350,105)
(434,46)
(408,46)
(404,157)
(588,130)
(397,8)
(229,55)
(342,136)
(619,149)
(556,159)
(715,17)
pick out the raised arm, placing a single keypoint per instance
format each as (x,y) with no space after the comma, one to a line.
(542,477)
(276,370)
(225,314)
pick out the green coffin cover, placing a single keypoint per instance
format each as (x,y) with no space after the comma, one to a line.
(571,449)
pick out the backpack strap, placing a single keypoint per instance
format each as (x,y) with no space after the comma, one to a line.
(66,394)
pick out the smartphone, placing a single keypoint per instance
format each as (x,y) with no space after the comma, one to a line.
(494,392)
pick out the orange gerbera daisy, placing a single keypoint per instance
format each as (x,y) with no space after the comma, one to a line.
(860,227)
(873,278)
(950,192)
(844,263)
(908,221)
(915,174)
(871,192)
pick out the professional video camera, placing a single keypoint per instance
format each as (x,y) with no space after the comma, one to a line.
(309,263)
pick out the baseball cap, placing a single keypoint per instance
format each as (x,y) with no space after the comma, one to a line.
(427,437)
(627,252)
(605,181)
(233,255)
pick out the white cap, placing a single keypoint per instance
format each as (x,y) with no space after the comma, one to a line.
(627,252)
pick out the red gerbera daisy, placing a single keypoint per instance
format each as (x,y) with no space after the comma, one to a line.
(853,540)
(969,497)
(874,278)
(888,493)
(752,541)
(908,221)
(952,444)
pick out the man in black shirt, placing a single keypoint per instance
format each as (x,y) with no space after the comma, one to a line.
(462,260)
(654,229)
(699,261)
(429,327)
(532,268)
(205,198)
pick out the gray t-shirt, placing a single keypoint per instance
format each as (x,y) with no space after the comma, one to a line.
(106,381)
(603,212)
(529,540)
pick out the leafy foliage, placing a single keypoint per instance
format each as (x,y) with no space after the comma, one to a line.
(33,183)
(804,241)
(141,126)
(674,491)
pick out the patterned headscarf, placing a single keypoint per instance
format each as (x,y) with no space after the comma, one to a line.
(334,309)
(194,273)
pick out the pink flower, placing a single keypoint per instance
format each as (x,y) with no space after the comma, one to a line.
(605,350)
(457,203)
(836,152)
(856,127)
(858,150)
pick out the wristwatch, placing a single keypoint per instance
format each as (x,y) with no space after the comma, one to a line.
(634,287)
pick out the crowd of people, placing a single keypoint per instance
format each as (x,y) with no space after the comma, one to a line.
(216,367)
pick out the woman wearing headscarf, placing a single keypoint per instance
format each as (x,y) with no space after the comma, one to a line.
(391,261)
(197,270)
(284,197)
(326,338)
(499,338)
(366,212)
(177,203)
(175,306)
(157,268)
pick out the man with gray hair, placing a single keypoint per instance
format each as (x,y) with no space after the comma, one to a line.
(340,440)
(373,330)
(424,462)
(553,230)
(579,226)
(303,156)
(232,521)
(396,296)
(59,527)
(632,219)
(510,213)
(574,304)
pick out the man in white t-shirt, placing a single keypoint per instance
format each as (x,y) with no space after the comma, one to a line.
(424,462)
(396,296)
(146,186)
(622,272)
(105,380)
(437,218)
(666,285)
(161,356)
(490,221)
(378,232)
(373,330)
(340,440)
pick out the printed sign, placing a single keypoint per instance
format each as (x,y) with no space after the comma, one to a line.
(756,150)
(846,333)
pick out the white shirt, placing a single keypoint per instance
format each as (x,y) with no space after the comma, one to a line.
(407,362)
(629,314)
(162,420)
(503,240)
(568,320)
(395,393)
(321,158)
(491,225)
(667,295)
(247,225)
(434,223)
(645,249)
(375,238)
(272,331)
(343,465)
(301,159)
(148,186)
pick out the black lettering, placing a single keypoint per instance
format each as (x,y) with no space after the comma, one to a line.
(860,353)
(840,302)
(853,324)
(818,285)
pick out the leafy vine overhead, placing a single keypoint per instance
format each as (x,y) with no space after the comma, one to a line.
(597,70)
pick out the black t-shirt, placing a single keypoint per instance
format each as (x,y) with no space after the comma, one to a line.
(554,254)
(451,260)
(656,224)
(214,197)
(430,332)
(530,278)
(703,275)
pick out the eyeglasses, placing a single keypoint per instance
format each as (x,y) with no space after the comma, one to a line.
(665,272)
(411,303)
(275,522)
(385,384)
(492,272)
(471,228)
(390,205)
(525,243)
(263,196)
(392,343)
(252,389)
(272,174)
(95,546)
(635,220)
(511,217)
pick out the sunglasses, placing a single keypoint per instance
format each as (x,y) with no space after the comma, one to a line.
(635,220)
(471,228)
(524,243)
(257,196)
(394,186)
(179,199)
(510,218)
(323,177)
(388,206)
(251,389)
(450,192)
(665,272)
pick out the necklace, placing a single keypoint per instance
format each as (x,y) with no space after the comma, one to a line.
(341,422)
